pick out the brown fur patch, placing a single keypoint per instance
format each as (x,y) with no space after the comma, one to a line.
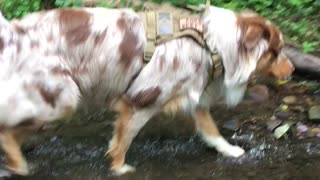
(162,62)
(174,105)
(74,25)
(128,48)
(197,66)
(121,24)
(179,85)
(118,147)
(34,44)
(11,147)
(50,96)
(100,37)
(19,47)
(254,27)
(206,124)
(50,37)
(18,29)
(176,63)
(1,44)
(264,63)
(60,71)
(146,97)
(281,69)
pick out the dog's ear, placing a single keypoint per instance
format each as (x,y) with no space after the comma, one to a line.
(252,36)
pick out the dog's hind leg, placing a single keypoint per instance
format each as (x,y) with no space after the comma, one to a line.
(127,126)
(10,142)
(210,134)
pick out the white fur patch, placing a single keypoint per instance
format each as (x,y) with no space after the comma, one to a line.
(234,94)
(124,170)
(223,146)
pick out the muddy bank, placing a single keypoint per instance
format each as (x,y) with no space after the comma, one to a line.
(168,149)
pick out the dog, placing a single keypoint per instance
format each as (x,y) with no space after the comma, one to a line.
(72,57)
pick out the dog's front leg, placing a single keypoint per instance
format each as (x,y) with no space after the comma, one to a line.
(127,126)
(10,142)
(210,134)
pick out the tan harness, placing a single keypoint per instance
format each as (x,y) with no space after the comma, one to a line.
(164,23)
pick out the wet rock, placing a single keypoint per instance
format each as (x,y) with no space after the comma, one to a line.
(299,109)
(309,101)
(289,100)
(232,125)
(314,113)
(4,173)
(258,93)
(317,92)
(273,118)
(282,115)
(271,125)
(314,132)
(301,128)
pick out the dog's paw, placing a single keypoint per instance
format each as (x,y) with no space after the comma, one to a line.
(22,170)
(124,170)
(232,151)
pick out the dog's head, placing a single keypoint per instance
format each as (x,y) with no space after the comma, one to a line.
(248,44)
(271,61)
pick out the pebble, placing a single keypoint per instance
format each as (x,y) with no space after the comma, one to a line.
(289,100)
(314,113)
(271,125)
(282,115)
(232,125)
(301,128)
(313,132)
(259,93)
(299,109)
(273,118)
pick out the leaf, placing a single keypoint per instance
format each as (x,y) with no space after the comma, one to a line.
(282,130)
(281,82)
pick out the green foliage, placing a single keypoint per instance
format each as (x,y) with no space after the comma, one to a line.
(19,8)
(298,19)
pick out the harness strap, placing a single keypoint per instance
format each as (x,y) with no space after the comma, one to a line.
(151,24)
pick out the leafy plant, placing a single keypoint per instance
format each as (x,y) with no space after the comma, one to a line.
(19,8)
(298,19)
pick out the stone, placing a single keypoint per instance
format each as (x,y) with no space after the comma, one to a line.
(315,130)
(289,100)
(314,113)
(298,109)
(302,128)
(259,93)
(271,125)
(312,132)
(273,118)
(232,125)
(282,115)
